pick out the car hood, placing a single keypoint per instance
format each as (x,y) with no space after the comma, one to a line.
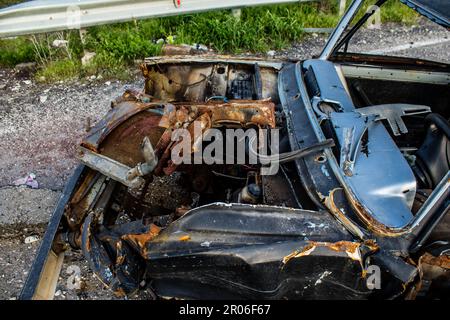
(435,10)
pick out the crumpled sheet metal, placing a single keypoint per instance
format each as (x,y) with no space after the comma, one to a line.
(351,249)
(133,125)
(122,112)
(211,58)
(247,113)
(243,113)
(195,78)
(111,253)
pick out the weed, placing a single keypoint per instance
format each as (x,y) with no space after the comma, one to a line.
(59,70)
(14,51)
(107,66)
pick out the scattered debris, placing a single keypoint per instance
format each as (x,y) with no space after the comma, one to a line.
(323,275)
(58,43)
(26,66)
(205,244)
(174,50)
(42,99)
(29,181)
(199,47)
(87,58)
(31,239)
(183,49)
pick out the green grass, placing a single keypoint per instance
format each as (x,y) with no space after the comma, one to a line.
(258,30)
(108,66)
(395,11)
(14,51)
(391,11)
(59,70)
(7,3)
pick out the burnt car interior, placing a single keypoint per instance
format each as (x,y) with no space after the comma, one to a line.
(363,179)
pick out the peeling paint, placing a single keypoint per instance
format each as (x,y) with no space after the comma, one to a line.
(324,170)
(350,248)
(185,238)
(322,276)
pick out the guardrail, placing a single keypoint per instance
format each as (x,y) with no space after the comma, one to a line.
(53,15)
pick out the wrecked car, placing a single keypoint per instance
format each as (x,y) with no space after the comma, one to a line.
(356,208)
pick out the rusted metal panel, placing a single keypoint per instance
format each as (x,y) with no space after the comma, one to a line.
(211,58)
(49,277)
(109,167)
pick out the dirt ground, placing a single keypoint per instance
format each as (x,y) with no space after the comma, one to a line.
(40,126)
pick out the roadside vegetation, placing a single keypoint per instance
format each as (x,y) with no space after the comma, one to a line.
(116,46)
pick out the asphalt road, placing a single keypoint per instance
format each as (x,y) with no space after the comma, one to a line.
(40,126)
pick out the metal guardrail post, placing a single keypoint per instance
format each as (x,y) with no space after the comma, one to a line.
(374,22)
(342,5)
(236,13)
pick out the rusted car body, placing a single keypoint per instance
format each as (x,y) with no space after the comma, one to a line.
(362,189)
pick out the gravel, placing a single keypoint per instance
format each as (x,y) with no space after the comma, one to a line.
(388,37)
(41,125)
(16,258)
(22,206)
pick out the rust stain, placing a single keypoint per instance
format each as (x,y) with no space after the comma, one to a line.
(120,293)
(185,238)
(119,135)
(299,253)
(337,212)
(178,49)
(210,58)
(383,59)
(205,123)
(181,211)
(80,193)
(350,248)
(123,144)
(430,268)
(371,223)
(141,239)
(79,203)
(120,257)
(442,261)
(116,116)
(187,78)
(242,112)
